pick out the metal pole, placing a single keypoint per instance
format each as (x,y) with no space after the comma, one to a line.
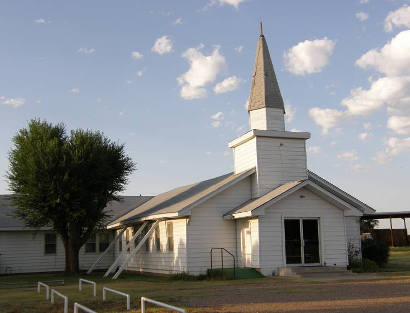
(405,227)
(391,233)
(222,260)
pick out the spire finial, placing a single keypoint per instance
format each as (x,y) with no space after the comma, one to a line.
(260,23)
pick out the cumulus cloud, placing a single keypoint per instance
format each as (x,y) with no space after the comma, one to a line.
(74,91)
(313,150)
(350,156)
(41,21)
(393,147)
(227,85)
(239,49)
(364,136)
(136,55)
(398,18)
(14,102)
(399,124)
(217,119)
(203,70)
(392,59)
(362,16)
(86,50)
(309,56)
(326,118)
(290,112)
(234,3)
(178,21)
(364,1)
(162,45)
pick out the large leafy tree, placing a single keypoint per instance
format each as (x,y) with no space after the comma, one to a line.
(64,181)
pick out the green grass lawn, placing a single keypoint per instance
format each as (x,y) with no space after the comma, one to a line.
(399,261)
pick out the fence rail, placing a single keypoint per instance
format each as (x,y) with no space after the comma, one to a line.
(39,284)
(82,307)
(82,280)
(55,292)
(160,304)
(127,296)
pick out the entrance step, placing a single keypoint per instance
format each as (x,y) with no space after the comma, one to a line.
(310,270)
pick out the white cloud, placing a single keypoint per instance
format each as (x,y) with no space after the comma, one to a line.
(290,112)
(313,150)
(364,1)
(399,124)
(309,56)
(398,18)
(74,91)
(333,143)
(359,168)
(234,3)
(227,85)
(128,82)
(217,119)
(178,21)
(14,102)
(362,16)
(367,126)
(41,21)
(326,118)
(363,136)
(394,146)
(162,45)
(86,50)
(239,49)
(136,55)
(348,156)
(203,70)
(393,59)
(140,73)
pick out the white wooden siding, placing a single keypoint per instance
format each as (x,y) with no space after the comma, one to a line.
(245,156)
(279,160)
(164,261)
(207,228)
(267,119)
(353,232)
(23,252)
(302,203)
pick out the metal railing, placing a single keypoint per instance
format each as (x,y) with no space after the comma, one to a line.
(53,292)
(222,260)
(81,280)
(127,296)
(82,307)
(160,304)
(39,284)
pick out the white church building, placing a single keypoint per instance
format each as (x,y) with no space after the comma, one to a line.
(271,213)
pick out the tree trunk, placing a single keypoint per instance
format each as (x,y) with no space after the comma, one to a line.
(71,256)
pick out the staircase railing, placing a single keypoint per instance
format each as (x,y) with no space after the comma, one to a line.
(222,260)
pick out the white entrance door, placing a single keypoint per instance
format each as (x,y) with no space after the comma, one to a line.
(302,244)
(247,247)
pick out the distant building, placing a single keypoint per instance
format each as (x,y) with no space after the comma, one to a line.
(270,213)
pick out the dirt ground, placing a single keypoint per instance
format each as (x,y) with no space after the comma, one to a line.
(288,296)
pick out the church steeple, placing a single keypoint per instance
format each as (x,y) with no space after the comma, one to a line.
(266,108)
(265,92)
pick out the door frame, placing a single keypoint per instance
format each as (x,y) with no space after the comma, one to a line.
(302,245)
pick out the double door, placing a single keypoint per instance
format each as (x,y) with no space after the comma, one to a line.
(302,244)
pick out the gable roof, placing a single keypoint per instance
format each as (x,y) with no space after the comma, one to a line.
(179,201)
(116,209)
(315,183)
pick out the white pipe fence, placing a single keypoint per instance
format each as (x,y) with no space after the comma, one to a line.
(157,303)
(53,292)
(81,280)
(82,307)
(127,296)
(39,284)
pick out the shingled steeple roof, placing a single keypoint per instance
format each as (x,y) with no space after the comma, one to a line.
(265,92)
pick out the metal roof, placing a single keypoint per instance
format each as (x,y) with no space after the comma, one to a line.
(397,214)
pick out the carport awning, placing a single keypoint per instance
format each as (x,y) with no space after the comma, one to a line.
(380,215)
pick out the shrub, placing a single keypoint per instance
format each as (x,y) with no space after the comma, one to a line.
(375,251)
(365,266)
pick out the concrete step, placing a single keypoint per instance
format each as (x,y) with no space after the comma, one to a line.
(300,271)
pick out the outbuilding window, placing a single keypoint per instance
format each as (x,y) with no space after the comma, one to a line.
(170,235)
(50,243)
(91,244)
(157,239)
(104,241)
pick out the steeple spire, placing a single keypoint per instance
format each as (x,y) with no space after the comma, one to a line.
(265,92)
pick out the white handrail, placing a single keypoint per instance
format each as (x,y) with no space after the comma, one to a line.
(39,284)
(161,304)
(124,250)
(53,291)
(111,245)
(82,307)
(81,280)
(105,289)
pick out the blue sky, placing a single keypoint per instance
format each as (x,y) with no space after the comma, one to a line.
(114,66)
